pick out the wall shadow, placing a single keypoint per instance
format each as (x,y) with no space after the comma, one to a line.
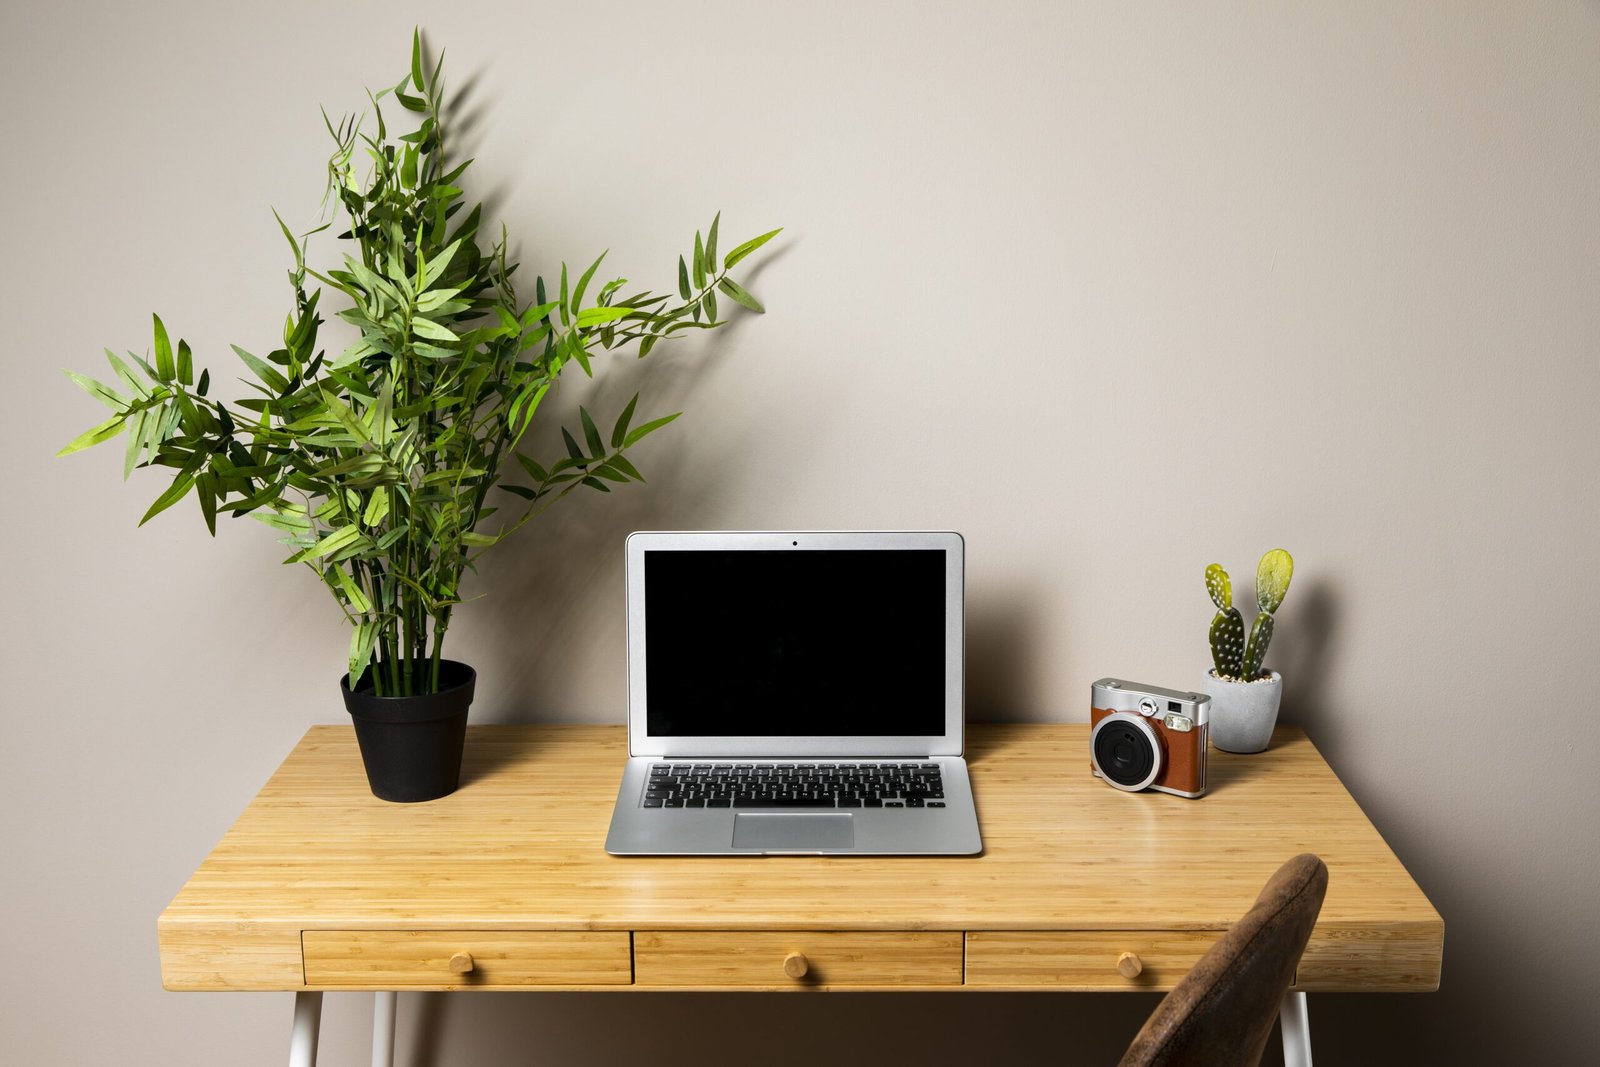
(1003,657)
(545,578)
(426,1012)
(1305,654)
(936,1029)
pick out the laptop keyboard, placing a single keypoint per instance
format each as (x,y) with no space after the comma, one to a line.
(794,785)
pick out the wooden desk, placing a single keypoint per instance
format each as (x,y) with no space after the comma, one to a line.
(321,886)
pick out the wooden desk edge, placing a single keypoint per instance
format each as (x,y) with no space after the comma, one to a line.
(269,956)
(201,952)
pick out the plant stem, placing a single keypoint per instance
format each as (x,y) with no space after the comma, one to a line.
(440,625)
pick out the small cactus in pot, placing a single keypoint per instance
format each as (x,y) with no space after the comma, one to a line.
(1244,695)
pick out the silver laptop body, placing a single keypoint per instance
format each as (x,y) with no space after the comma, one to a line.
(758,659)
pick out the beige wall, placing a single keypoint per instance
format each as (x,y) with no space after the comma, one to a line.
(1115,290)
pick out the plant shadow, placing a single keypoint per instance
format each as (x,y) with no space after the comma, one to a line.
(1227,769)
(1305,653)
(484,758)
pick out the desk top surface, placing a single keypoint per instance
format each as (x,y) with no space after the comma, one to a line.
(520,846)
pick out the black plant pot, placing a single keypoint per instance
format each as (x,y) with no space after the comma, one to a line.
(411,746)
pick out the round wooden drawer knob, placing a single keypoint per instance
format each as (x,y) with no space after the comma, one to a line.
(1128,965)
(795,965)
(461,963)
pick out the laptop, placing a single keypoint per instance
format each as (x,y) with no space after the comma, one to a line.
(794,694)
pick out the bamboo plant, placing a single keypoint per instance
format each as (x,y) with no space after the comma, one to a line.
(378,464)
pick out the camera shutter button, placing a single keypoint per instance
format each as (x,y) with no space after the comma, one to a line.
(1128,965)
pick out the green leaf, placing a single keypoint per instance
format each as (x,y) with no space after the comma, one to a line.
(440,263)
(377,508)
(359,602)
(333,542)
(576,349)
(749,246)
(650,427)
(164,367)
(437,298)
(362,637)
(526,404)
(100,391)
(572,447)
(139,428)
(620,430)
(103,432)
(683,279)
(597,315)
(699,262)
(175,492)
(583,284)
(535,471)
(205,488)
(416,60)
(124,372)
(288,236)
(709,302)
(565,320)
(362,464)
(596,483)
(263,370)
(711,243)
(740,295)
(590,433)
(430,329)
(185,363)
(346,417)
(623,464)
(538,312)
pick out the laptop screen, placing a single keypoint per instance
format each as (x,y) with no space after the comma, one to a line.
(757,643)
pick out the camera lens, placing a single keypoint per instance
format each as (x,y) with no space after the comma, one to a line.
(1125,752)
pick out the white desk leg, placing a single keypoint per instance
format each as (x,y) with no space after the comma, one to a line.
(303,1037)
(383,1009)
(1296,1024)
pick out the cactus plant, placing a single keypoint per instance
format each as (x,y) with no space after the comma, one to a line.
(1236,658)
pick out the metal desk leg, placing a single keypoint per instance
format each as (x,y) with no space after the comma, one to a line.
(303,1037)
(1296,1024)
(383,1010)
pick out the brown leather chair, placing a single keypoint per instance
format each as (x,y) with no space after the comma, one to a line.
(1221,1013)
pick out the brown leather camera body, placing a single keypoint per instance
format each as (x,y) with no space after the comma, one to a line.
(1182,754)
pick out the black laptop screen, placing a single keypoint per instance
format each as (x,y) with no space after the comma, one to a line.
(804,643)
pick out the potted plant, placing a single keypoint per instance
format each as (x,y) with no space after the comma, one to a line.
(1245,696)
(391,465)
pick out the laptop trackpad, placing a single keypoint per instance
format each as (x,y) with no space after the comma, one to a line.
(793,832)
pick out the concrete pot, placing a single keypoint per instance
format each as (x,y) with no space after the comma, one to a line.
(1243,713)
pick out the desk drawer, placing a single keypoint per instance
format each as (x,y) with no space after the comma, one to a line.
(801,960)
(464,959)
(1084,959)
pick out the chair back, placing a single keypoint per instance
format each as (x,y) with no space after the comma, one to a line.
(1221,1013)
